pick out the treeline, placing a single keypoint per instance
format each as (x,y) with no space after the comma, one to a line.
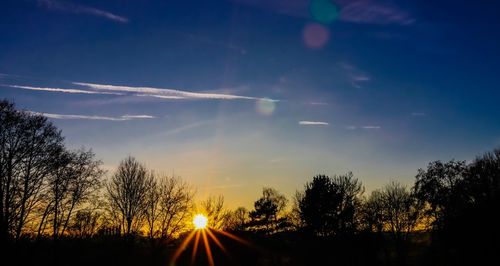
(42,183)
(49,191)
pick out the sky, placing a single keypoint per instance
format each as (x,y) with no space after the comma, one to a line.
(239,94)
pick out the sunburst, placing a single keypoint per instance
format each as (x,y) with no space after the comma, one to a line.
(202,231)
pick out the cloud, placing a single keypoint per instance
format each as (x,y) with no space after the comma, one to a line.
(356,76)
(186,127)
(60,90)
(94,117)
(313,123)
(418,114)
(277,160)
(167,93)
(360,127)
(378,12)
(80,9)
(373,12)
(317,103)
(370,127)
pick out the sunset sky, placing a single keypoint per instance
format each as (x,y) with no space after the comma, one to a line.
(239,94)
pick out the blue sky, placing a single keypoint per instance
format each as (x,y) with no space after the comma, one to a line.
(236,95)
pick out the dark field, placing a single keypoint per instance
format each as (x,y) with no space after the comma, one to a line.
(278,249)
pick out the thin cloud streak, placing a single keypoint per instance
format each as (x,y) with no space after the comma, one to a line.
(361,127)
(317,103)
(74,8)
(418,114)
(60,90)
(166,93)
(370,127)
(187,127)
(356,76)
(313,123)
(373,12)
(94,117)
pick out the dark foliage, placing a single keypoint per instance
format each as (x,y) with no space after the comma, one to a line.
(329,205)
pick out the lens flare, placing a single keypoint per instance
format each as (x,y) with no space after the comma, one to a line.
(200,221)
(315,35)
(265,106)
(323,11)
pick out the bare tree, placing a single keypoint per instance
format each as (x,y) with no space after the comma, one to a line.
(401,210)
(175,205)
(294,216)
(85,223)
(69,187)
(29,145)
(152,207)
(213,208)
(237,219)
(127,192)
(373,212)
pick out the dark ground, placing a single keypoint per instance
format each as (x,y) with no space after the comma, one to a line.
(278,249)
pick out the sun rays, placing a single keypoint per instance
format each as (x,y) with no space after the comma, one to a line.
(207,235)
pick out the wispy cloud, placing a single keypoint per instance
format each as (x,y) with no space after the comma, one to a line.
(186,127)
(76,8)
(356,76)
(418,114)
(360,127)
(313,123)
(378,12)
(370,127)
(373,12)
(60,90)
(317,103)
(95,117)
(165,93)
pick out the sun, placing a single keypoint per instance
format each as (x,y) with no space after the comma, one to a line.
(200,221)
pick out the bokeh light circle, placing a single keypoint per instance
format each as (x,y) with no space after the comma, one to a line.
(265,106)
(315,35)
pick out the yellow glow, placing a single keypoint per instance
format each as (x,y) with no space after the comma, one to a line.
(200,221)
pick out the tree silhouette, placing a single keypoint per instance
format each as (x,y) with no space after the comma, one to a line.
(329,205)
(373,213)
(265,216)
(464,200)
(213,208)
(175,206)
(237,219)
(152,205)
(400,209)
(439,186)
(69,186)
(127,192)
(29,145)
(85,223)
